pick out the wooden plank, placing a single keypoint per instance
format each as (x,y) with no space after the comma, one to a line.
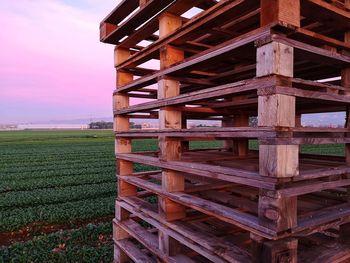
(145,12)
(224,213)
(239,132)
(324,12)
(184,234)
(149,240)
(321,217)
(207,56)
(189,30)
(194,239)
(310,187)
(331,251)
(325,56)
(210,171)
(133,252)
(316,95)
(313,37)
(118,13)
(209,93)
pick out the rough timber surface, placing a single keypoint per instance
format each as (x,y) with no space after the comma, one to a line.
(256,66)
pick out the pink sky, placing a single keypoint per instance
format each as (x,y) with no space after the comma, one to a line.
(52,65)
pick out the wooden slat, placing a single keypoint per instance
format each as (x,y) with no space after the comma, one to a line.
(203,57)
(118,14)
(146,12)
(203,243)
(189,30)
(210,93)
(134,253)
(228,174)
(226,214)
(239,132)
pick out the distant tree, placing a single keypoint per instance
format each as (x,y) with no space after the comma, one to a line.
(101,125)
(133,125)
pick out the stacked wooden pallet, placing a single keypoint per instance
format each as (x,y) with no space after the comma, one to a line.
(232,60)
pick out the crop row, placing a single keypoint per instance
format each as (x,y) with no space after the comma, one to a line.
(91,243)
(77,165)
(12,168)
(68,212)
(110,169)
(55,147)
(53,157)
(65,171)
(37,183)
(55,195)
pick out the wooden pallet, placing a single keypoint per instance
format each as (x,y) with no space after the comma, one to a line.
(232,60)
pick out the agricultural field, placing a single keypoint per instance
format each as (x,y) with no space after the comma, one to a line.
(57,192)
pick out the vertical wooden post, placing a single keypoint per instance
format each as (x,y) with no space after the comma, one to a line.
(241,145)
(185,145)
(228,143)
(237,146)
(170,149)
(119,234)
(121,123)
(345,81)
(286,12)
(274,251)
(122,145)
(277,110)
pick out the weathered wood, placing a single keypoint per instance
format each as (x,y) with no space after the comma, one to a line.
(226,214)
(121,123)
(209,201)
(211,247)
(170,149)
(240,176)
(275,58)
(122,145)
(279,251)
(284,11)
(210,93)
(277,213)
(215,245)
(195,27)
(276,110)
(206,57)
(133,252)
(120,234)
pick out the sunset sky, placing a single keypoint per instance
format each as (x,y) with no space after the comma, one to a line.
(52,65)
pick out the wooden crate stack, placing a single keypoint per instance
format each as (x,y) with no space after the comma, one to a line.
(232,61)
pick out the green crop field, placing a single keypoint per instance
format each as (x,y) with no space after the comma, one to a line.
(57,191)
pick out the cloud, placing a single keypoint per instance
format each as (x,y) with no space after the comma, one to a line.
(51,59)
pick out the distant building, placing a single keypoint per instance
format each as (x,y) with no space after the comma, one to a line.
(145,126)
(8,127)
